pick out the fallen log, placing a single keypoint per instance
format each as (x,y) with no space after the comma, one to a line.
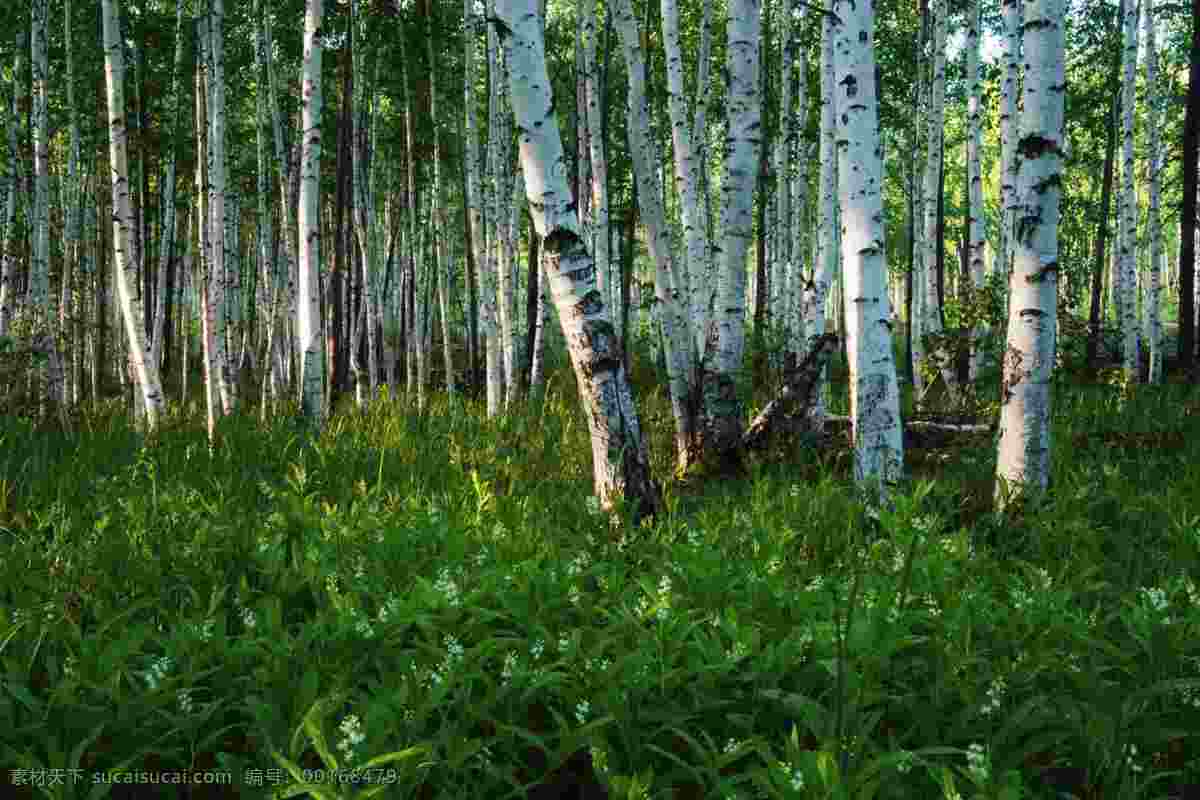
(920,424)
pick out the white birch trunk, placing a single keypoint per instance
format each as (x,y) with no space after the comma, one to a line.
(726,343)
(932,324)
(828,233)
(217,221)
(620,459)
(784,305)
(976,238)
(599,167)
(668,303)
(1129,203)
(1023,451)
(874,393)
(309,346)
(126,271)
(1011,15)
(1154,110)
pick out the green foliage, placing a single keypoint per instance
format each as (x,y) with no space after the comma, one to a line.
(433,605)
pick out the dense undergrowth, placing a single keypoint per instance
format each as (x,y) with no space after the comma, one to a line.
(432,606)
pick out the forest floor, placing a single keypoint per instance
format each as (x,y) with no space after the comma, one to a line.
(432,606)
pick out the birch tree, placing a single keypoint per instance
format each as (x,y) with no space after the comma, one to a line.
(1129,207)
(932,323)
(828,234)
(1010,11)
(1023,450)
(874,391)
(975,228)
(41,300)
(218,220)
(145,369)
(725,343)
(1154,333)
(309,346)
(620,459)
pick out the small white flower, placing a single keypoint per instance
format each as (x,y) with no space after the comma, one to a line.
(905,763)
(731,745)
(564,644)
(352,735)
(454,650)
(536,650)
(592,504)
(249,618)
(185,701)
(815,584)
(582,709)
(573,595)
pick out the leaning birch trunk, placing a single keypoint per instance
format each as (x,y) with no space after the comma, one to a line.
(1023,452)
(932,324)
(1129,208)
(874,393)
(668,303)
(1154,109)
(308,313)
(726,340)
(828,232)
(975,236)
(620,460)
(126,272)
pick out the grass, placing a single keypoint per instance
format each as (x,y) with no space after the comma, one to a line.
(431,606)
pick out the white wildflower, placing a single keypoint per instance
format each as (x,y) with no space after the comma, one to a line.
(536,650)
(185,701)
(582,709)
(352,735)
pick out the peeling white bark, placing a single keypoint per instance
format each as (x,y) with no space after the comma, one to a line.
(1023,452)
(874,393)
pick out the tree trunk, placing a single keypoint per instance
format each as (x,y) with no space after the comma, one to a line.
(308,314)
(973,275)
(726,343)
(1096,312)
(1129,208)
(114,70)
(1154,115)
(1023,451)
(874,393)
(620,458)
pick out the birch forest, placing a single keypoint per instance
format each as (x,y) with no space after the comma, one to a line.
(600,399)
